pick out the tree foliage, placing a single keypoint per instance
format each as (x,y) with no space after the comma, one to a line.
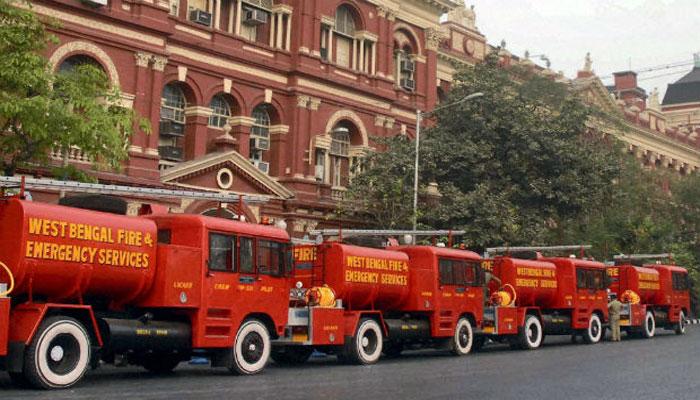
(509,165)
(41,110)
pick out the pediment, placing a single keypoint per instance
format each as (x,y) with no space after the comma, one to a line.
(596,94)
(224,172)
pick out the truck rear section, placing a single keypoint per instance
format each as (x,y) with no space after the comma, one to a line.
(360,302)
(538,296)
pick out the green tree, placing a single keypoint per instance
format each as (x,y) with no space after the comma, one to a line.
(41,110)
(510,166)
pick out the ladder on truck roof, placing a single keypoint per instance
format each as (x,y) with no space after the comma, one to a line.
(341,233)
(506,249)
(13,182)
(641,257)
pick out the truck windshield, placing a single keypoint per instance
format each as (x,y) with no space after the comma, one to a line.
(458,272)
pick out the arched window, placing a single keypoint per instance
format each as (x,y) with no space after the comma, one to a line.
(404,59)
(172,123)
(345,21)
(70,63)
(220,111)
(345,35)
(173,104)
(340,154)
(260,137)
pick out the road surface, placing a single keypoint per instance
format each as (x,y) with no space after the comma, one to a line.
(665,367)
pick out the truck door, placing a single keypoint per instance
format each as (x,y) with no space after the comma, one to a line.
(221,289)
(273,266)
(451,291)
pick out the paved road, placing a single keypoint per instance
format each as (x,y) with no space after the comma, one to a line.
(665,367)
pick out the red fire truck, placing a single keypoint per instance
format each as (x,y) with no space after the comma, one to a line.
(88,285)
(652,295)
(382,300)
(534,296)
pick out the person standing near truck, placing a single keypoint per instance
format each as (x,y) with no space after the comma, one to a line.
(614,308)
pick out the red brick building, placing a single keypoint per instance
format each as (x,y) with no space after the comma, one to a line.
(273,97)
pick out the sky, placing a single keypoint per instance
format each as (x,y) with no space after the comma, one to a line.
(619,34)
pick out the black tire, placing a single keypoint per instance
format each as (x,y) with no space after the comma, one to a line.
(479,343)
(18,380)
(251,349)
(59,355)
(649,328)
(160,363)
(530,337)
(594,333)
(291,355)
(392,349)
(463,339)
(680,326)
(365,347)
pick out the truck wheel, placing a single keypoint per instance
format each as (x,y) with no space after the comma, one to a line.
(251,350)
(649,327)
(530,337)
(463,338)
(366,346)
(59,354)
(594,332)
(160,363)
(680,326)
(291,355)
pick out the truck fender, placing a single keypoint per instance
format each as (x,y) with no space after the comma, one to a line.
(353,318)
(26,318)
(524,312)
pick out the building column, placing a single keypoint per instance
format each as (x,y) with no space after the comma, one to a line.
(217,17)
(374,58)
(230,18)
(196,127)
(362,55)
(353,58)
(280,25)
(159,63)
(139,141)
(330,45)
(240,130)
(288,42)
(239,9)
(273,24)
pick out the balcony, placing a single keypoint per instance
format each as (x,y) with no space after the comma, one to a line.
(75,154)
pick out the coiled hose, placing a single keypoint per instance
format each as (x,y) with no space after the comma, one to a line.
(12,281)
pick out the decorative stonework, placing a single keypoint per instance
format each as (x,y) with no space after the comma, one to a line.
(91,50)
(303,101)
(159,63)
(314,103)
(142,59)
(308,102)
(433,38)
(463,16)
(379,121)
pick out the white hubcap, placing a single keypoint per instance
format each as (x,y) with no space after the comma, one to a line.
(57,353)
(251,347)
(365,341)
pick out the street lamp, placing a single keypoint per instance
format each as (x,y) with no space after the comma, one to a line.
(419,118)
